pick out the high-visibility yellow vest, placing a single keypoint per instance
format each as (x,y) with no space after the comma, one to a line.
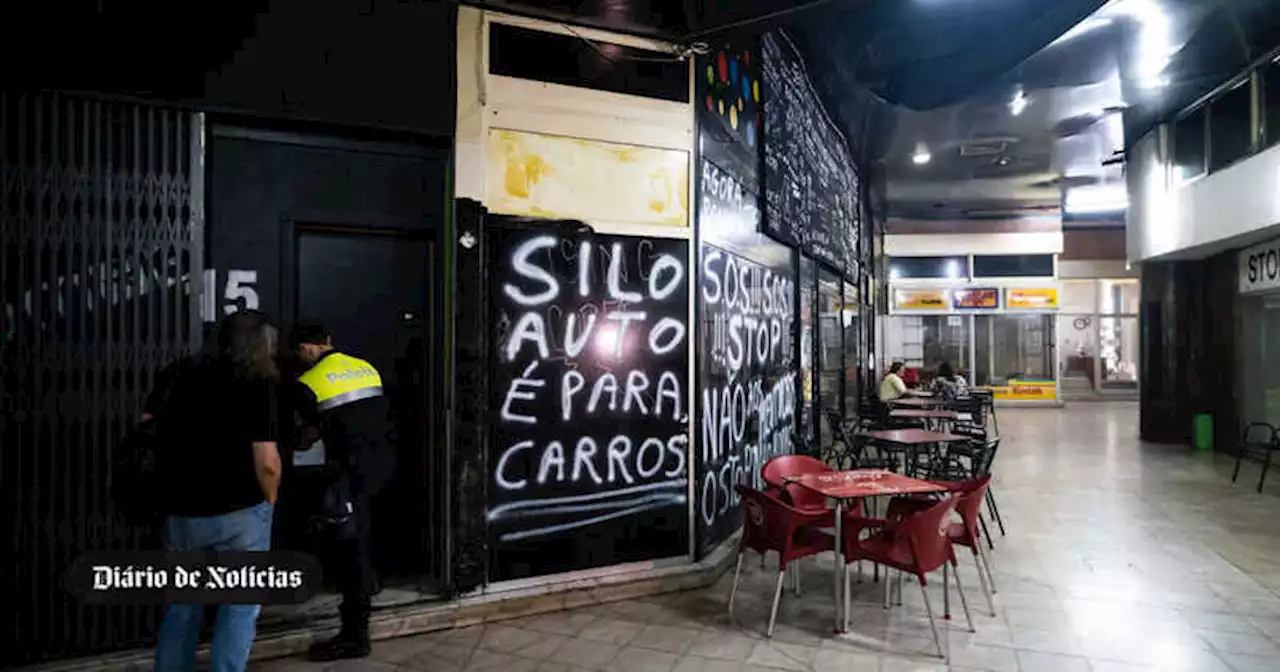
(339,379)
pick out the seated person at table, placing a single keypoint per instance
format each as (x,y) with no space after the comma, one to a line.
(948,384)
(892,386)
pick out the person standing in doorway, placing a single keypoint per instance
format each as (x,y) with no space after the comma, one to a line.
(219,473)
(341,402)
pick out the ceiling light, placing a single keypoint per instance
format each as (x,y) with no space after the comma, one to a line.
(921,155)
(1018,103)
(953,269)
(1096,199)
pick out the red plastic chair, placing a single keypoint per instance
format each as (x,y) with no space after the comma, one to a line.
(777,470)
(774,525)
(916,544)
(969,497)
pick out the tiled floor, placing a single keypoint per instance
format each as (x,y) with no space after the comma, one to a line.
(1119,556)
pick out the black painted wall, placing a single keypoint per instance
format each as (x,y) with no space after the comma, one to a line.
(372,63)
(1188,340)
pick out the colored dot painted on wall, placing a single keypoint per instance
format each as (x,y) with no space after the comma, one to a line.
(733,117)
(755,91)
(751,135)
(746,87)
(722,107)
(733,71)
(711,74)
(739,104)
(746,57)
(724,67)
(711,105)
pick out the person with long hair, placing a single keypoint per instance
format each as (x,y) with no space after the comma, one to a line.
(219,467)
(948,384)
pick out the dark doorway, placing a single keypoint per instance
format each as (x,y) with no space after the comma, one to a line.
(345,231)
(371,287)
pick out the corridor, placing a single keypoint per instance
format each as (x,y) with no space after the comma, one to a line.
(1119,556)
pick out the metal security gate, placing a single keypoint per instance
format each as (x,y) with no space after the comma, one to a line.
(101,254)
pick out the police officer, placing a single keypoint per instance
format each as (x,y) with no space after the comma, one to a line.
(341,400)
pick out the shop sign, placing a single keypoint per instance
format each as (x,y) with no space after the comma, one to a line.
(1037,298)
(978,298)
(1026,390)
(920,299)
(1260,267)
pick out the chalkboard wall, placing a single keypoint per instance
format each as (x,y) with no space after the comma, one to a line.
(588,459)
(811,182)
(747,395)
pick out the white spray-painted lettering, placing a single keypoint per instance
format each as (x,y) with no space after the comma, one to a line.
(597,408)
(748,397)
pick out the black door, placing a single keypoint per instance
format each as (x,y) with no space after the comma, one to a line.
(370,288)
(343,231)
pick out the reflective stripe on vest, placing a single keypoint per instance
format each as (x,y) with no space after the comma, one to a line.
(340,379)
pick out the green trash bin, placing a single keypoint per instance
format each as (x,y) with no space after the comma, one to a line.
(1202,432)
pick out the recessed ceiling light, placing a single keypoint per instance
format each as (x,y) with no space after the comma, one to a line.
(1018,103)
(921,155)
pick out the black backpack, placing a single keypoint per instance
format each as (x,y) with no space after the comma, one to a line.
(135,483)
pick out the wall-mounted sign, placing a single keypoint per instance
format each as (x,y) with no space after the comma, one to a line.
(978,298)
(920,299)
(1026,390)
(1039,297)
(1260,267)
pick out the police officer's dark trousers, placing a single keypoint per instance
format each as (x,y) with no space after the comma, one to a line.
(353,574)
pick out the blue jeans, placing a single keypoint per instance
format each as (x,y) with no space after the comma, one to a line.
(244,530)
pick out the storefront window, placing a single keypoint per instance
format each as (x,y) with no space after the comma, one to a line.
(1013,266)
(1119,296)
(808,293)
(1013,347)
(1259,352)
(1230,127)
(901,268)
(925,341)
(830,351)
(945,338)
(852,321)
(1271,102)
(1118,340)
(1189,146)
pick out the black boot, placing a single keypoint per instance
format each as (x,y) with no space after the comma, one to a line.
(352,640)
(346,644)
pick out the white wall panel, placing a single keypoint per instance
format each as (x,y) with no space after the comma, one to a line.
(1234,207)
(946,244)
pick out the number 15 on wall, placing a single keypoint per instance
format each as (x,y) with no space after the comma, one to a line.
(238,293)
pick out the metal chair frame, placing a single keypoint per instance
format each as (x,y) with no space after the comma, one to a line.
(1260,451)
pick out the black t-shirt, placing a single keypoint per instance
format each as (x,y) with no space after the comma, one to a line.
(207,424)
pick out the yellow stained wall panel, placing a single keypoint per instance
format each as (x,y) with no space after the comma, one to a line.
(551,176)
